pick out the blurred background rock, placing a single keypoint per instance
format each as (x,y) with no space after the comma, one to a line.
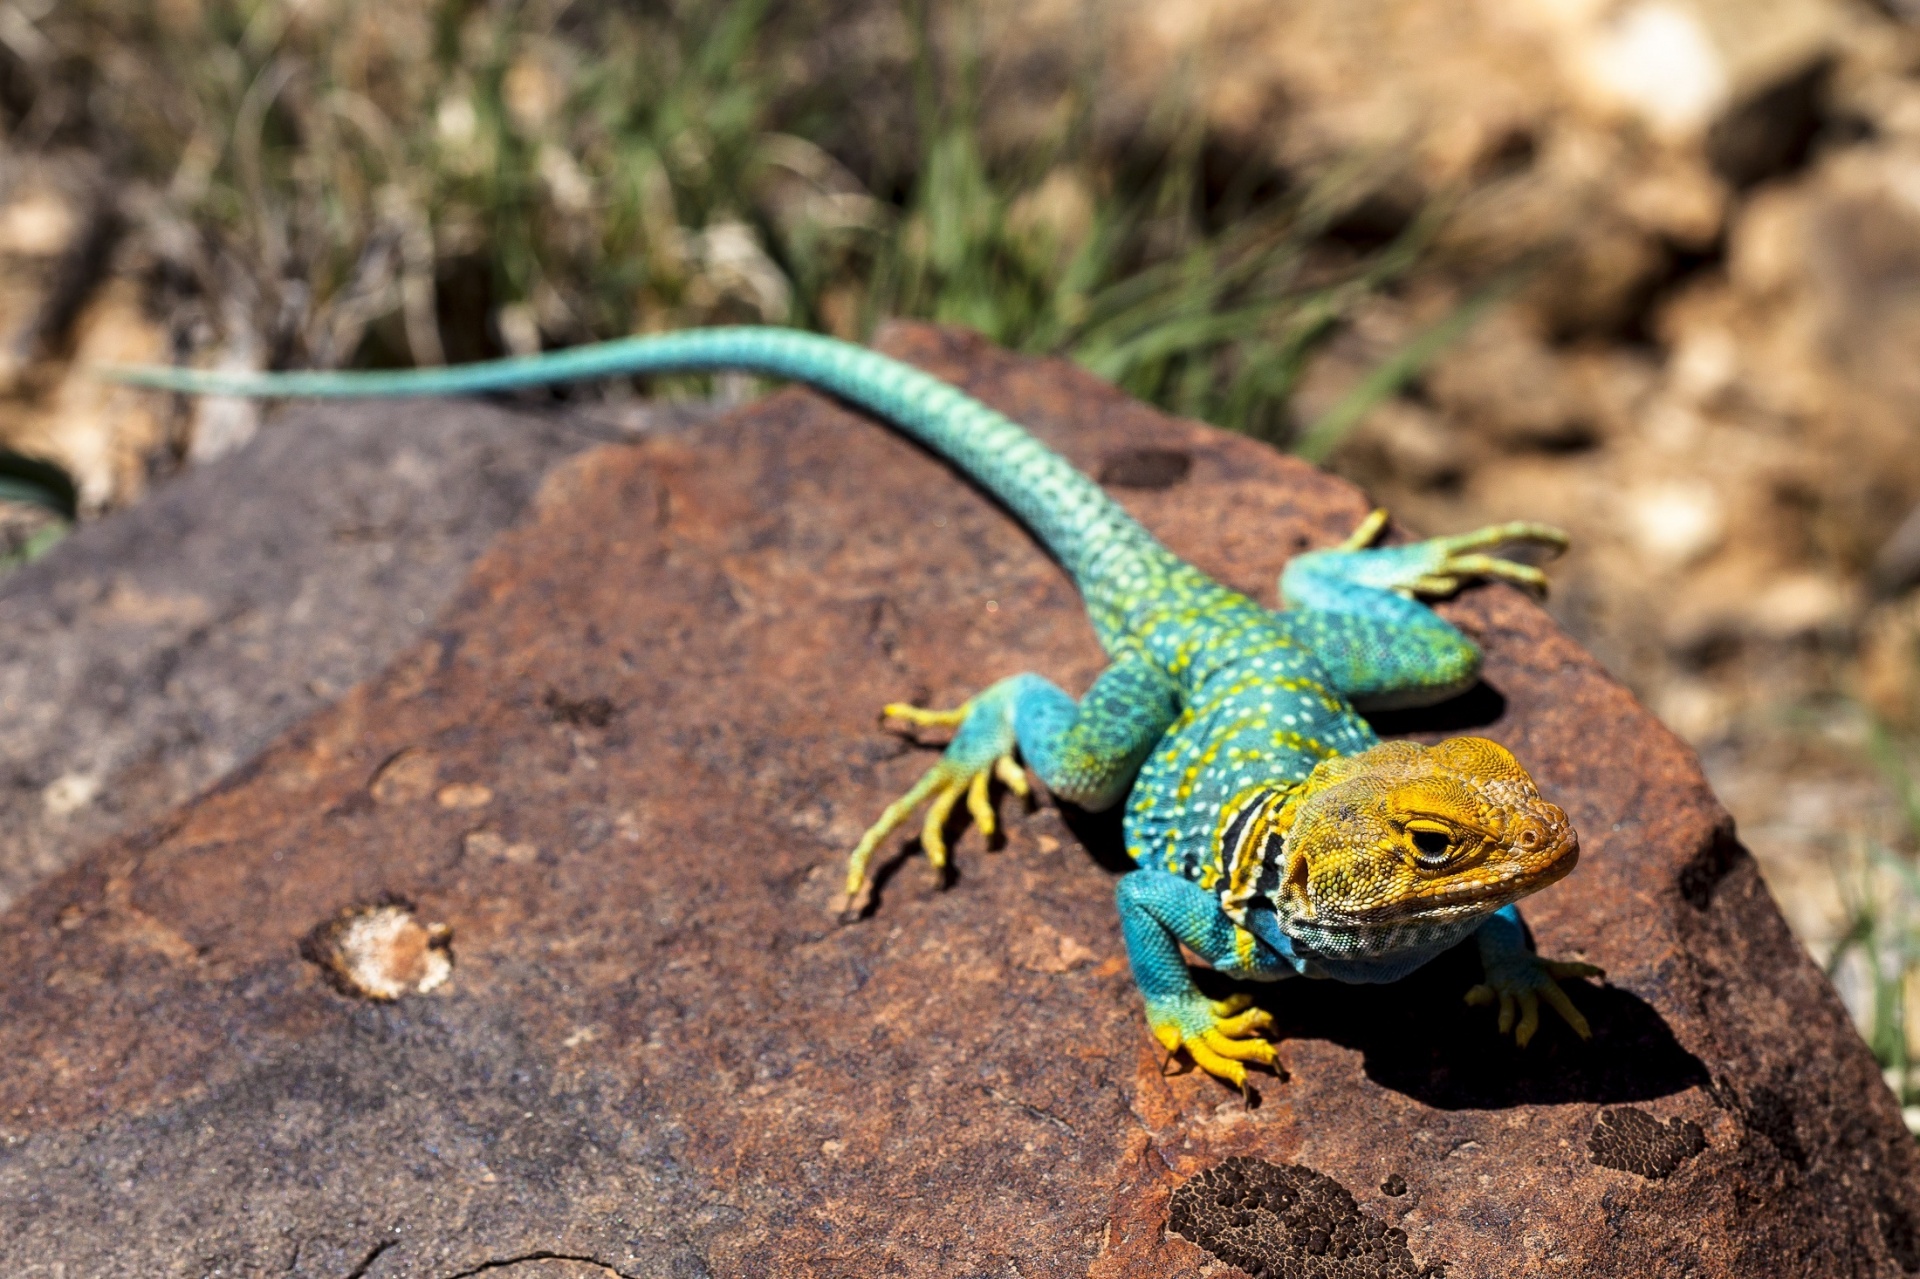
(1647,269)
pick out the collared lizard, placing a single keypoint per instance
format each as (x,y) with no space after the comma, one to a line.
(1274,834)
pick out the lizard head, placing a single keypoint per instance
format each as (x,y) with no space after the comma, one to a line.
(1401,833)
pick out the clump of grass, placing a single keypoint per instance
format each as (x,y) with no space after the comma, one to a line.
(406,181)
(38,503)
(381,182)
(1213,324)
(1880,940)
(1878,952)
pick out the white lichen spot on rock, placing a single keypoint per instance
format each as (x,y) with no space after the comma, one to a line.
(381,951)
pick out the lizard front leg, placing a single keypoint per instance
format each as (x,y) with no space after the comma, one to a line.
(1159,911)
(1357,607)
(1087,753)
(1516,976)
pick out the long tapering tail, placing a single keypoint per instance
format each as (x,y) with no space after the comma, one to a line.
(1096,540)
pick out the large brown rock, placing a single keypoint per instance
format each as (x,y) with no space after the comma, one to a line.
(159,647)
(625,769)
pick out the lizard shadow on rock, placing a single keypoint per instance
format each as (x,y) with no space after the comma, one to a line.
(885,871)
(1477,707)
(1419,1037)
(1102,834)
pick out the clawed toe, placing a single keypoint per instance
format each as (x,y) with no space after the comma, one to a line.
(965,773)
(1515,533)
(1440,566)
(1239,1048)
(921,717)
(1227,1042)
(1519,996)
(1366,531)
(1235,1016)
(1468,558)
(1225,1057)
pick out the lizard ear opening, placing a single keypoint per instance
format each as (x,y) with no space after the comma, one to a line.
(1294,886)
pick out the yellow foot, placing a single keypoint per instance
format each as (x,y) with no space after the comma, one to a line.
(1522,987)
(966,772)
(1366,531)
(1442,565)
(1467,558)
(1223,1040)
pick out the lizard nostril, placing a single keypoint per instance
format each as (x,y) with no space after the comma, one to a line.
(1529,838)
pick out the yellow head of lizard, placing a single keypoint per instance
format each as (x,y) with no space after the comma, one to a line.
(1403,833)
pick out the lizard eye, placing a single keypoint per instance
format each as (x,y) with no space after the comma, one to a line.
(1431,842)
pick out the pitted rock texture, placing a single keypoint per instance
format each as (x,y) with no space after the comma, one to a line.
(624,767)
(1632,1140)
(1283,1221)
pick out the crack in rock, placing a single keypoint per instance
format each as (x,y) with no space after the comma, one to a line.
(503,1263)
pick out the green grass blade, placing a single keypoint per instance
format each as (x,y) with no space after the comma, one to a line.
(1393,373)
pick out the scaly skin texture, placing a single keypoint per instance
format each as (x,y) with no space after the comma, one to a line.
(1274,835)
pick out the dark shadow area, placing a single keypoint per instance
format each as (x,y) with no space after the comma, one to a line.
(1478,707)
(1420,1038)
(1772,133)
(463,294)
(1101,834)
(1378,218)
(1701,876)
(884,873)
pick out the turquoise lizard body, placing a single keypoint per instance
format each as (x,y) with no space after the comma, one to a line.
(1274,834)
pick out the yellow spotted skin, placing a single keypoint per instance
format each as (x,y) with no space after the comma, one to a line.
(1274,835)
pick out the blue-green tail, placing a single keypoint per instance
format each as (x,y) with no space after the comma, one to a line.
(1097,541)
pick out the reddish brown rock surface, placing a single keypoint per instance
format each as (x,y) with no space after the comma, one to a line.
(624,771)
